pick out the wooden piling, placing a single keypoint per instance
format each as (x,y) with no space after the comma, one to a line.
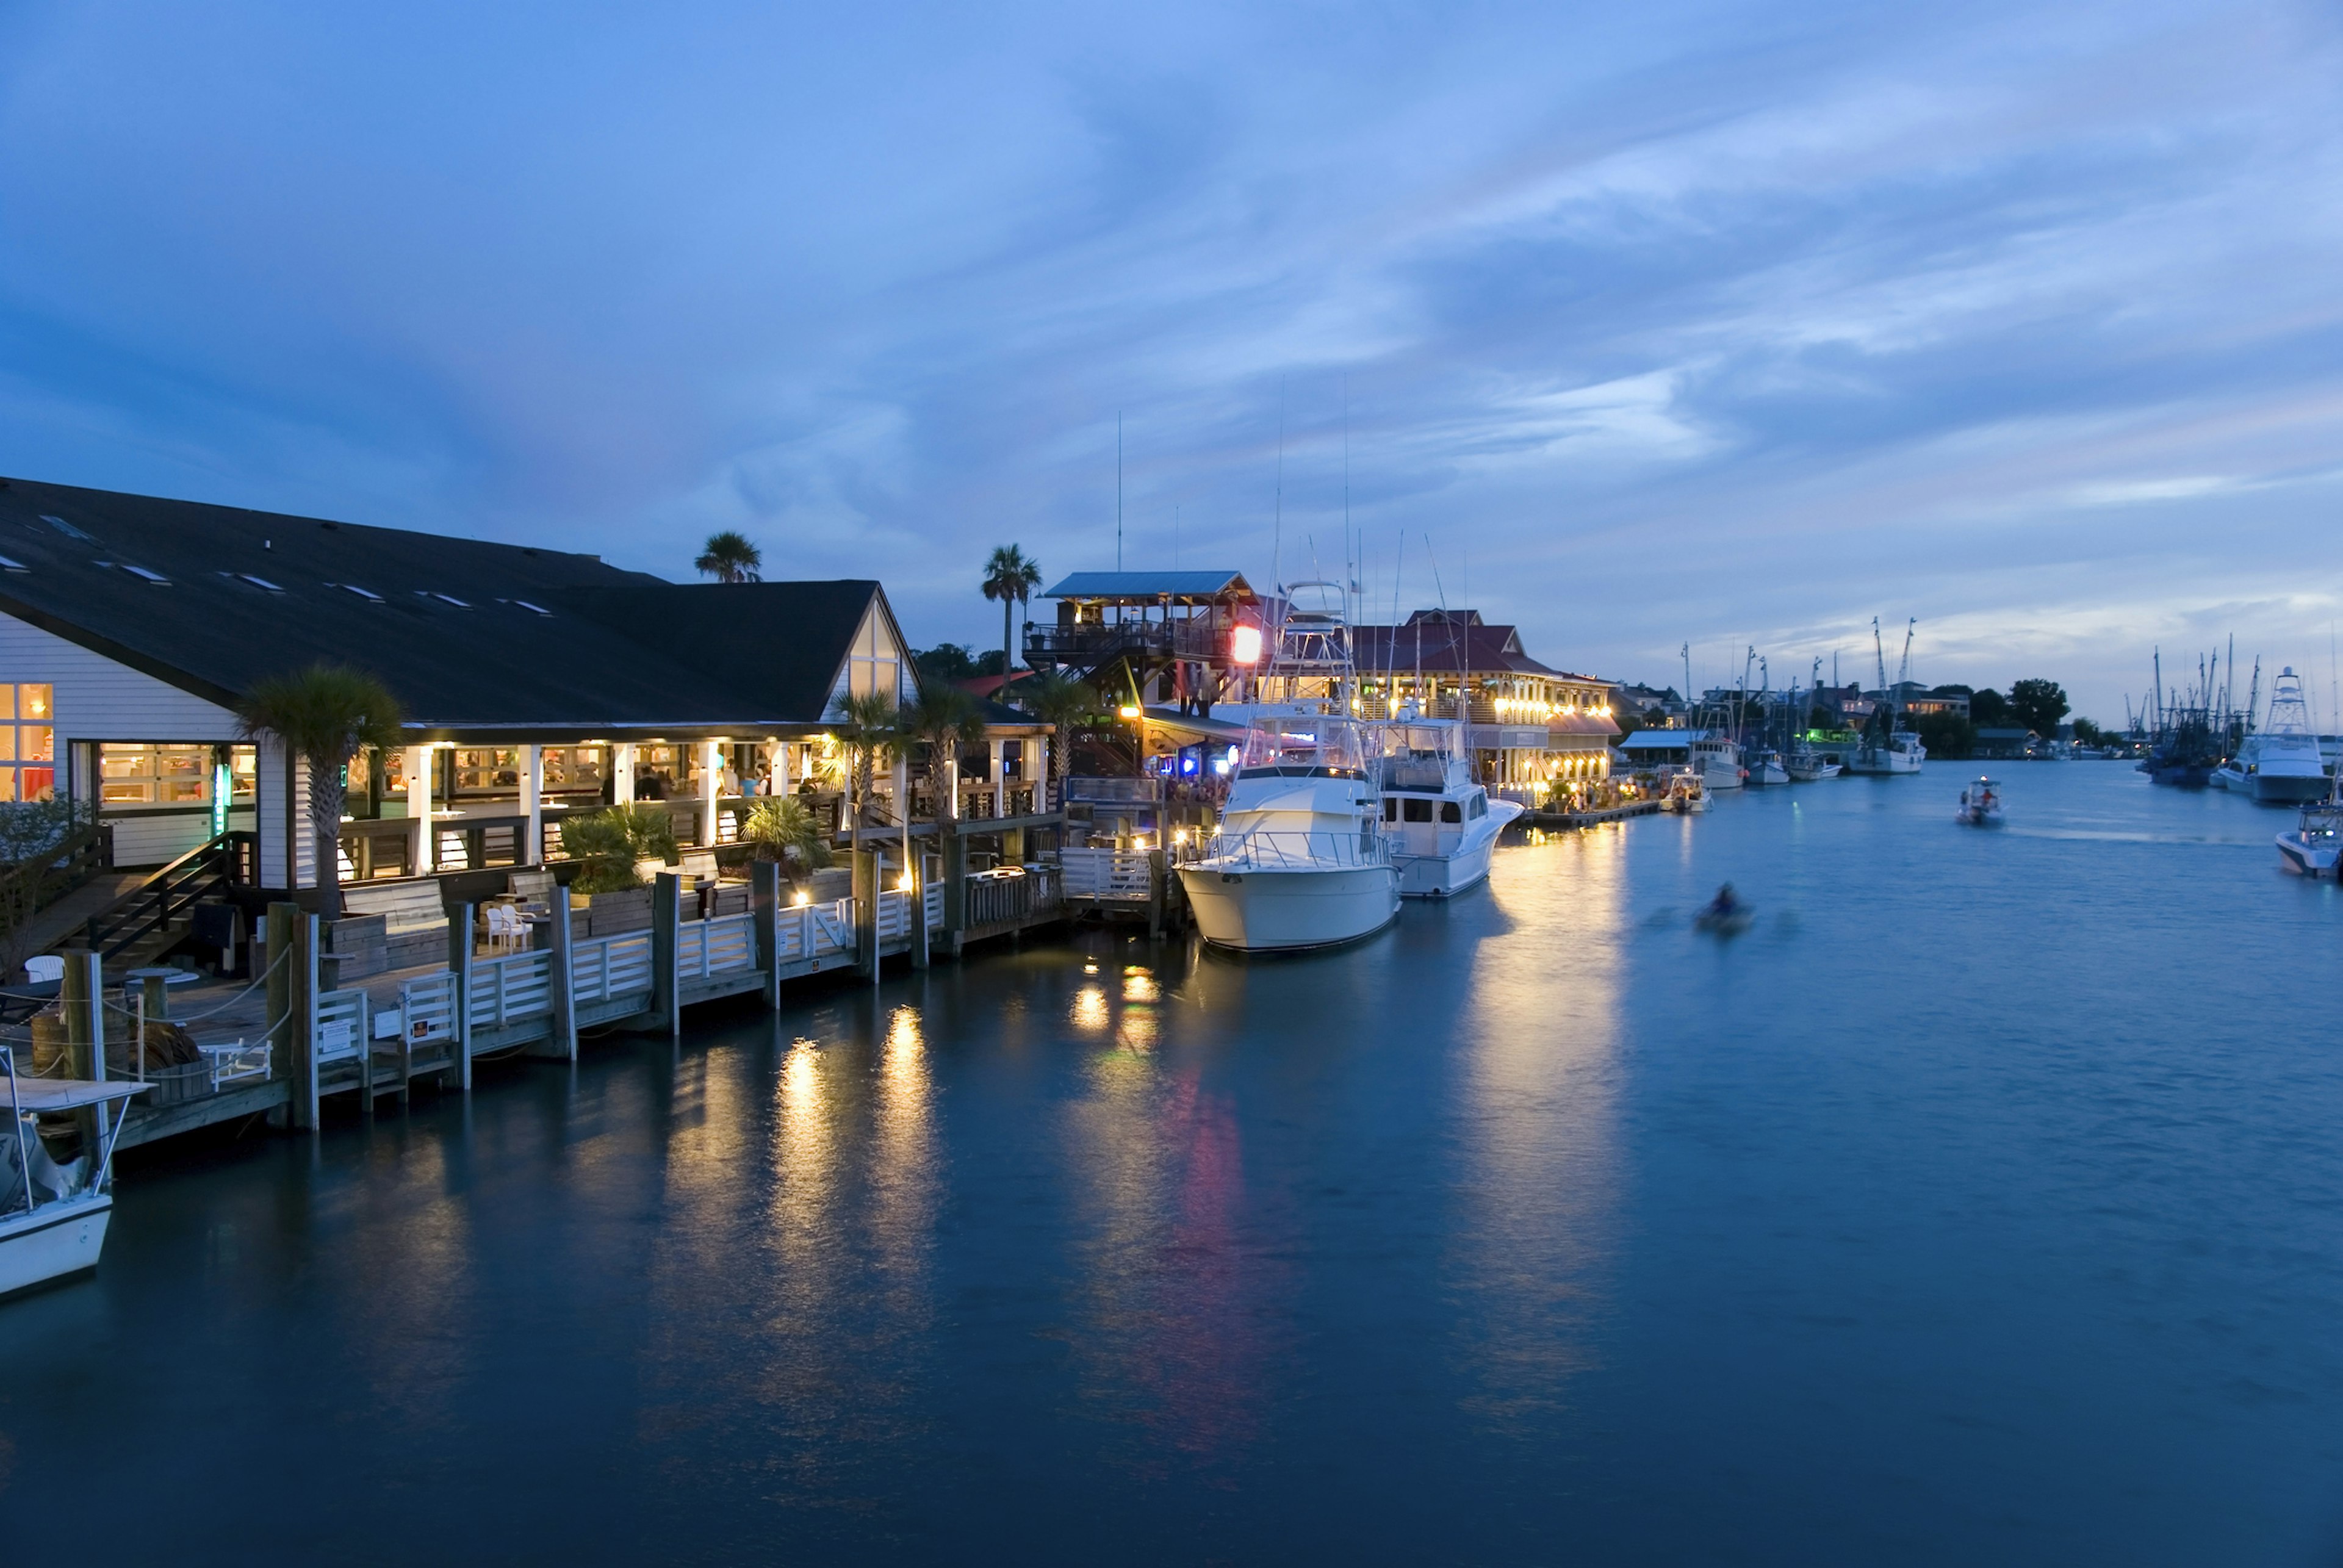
(1155,892)
(459,964)
(865,911)
(302,1019)
(667,919)
(565,978)
(765,903)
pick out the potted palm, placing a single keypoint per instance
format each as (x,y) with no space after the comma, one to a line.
(616,849)
(784,829)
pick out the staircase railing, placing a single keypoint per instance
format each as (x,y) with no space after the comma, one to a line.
(208,869)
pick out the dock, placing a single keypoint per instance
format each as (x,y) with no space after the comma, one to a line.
(1594,818)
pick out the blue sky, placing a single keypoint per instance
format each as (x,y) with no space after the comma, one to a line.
(1723,323)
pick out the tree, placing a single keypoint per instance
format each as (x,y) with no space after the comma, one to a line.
(326,714)
(946,663)
(608,844)
(1988,710)
(943,720)
(1009,578)
(1946,734)
(2038,705)
(869,730)
(784,829)
(1062,703)
(2087,733)
(730,558)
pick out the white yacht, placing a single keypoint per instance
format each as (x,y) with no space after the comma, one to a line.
(2279,763)
(2316,842)
(1886,751)
(53,1217)
(1300,859)
(1439,824)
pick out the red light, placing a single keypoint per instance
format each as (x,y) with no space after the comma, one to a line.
(1244,645)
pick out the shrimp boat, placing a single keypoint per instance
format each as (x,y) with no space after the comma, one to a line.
(1767,767)
(53,1217)
(1300,859)
(1807,766)
(1980,805)
(1440,824)
(2311,850)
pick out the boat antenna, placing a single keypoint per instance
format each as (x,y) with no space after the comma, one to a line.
(1446,618)
(1175,538)
(1118,490)
(1277,526)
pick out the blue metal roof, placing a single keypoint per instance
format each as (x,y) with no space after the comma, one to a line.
(1151,586)
(1661,739)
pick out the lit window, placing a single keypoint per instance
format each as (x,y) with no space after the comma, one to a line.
(28,743)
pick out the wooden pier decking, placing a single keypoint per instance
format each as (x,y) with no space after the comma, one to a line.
(1595,819)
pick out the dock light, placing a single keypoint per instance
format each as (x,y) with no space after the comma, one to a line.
(800,900)
(1244,645)
(907,885)
(1129,711)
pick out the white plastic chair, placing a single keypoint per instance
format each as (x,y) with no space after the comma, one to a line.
(47,967)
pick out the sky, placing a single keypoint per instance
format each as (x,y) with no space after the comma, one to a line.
(1724,325)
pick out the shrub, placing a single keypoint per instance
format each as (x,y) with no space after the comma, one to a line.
(784,828)
(606,844)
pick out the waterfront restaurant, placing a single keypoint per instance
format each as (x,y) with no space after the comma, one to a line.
(537,683)
(1529,725)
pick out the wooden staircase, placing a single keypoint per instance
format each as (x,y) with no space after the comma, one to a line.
(148,920)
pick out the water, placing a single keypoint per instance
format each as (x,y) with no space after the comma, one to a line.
(1980,1204)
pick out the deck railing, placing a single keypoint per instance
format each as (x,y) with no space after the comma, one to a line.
(713,947)
(506,991)
(1105,873)
(1274,848)
(603,967)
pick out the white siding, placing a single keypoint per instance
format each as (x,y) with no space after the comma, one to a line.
(276,821)
(876,661)
(98,699)
(158,838)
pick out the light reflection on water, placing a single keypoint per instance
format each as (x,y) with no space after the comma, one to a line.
(1980,1204)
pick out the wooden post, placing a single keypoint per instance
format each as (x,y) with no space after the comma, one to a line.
(666,917)
(955,891)
(83,994)
(865,911)
(532,804)
(915,906)
(1155,880)
(279,928)
(565,978)
(304,1019)
(765,900)
(459,964)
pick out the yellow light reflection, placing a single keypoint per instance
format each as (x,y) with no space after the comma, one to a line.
(1090,1008)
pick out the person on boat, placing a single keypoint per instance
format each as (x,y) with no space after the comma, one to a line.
(1723,906)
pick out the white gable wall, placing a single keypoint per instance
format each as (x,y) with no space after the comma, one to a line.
(875,661)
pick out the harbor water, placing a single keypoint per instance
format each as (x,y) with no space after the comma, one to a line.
(1983,1202)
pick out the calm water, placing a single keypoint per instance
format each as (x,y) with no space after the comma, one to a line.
(1982,1204)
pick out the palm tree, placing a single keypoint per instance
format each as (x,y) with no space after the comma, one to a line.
(730,558)
(869,730)
(1009,578)
(326,714)
(1062,703)
(943,720)
(782,828)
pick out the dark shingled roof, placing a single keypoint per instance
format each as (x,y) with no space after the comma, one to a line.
(478,638)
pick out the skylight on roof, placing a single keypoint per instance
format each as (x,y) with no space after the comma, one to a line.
(65,527)
(524,604)
(8,565)
(446,598)
(261,583)
(143,575)
(366,594)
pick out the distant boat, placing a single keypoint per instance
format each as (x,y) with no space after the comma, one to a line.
(1807,766)
(1718,758)
(1766,768)
(1980,804)
(2279,763)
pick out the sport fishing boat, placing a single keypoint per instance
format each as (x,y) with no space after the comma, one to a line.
(2311,850)
(53,1216)
(1980,804)
(2279,763)
(1718,758)
(1439,823)
(1300,859)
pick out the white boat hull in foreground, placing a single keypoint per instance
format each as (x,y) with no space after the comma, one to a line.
(52,1241)
(1286,912)
(1442,874)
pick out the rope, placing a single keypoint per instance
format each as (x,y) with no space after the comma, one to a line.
(213,1012)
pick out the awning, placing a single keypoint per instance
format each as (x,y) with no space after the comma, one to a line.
(1191,729)
(49,1094)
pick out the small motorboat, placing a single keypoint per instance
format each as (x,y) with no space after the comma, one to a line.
(1807,767)
(1687,793)
(2312,848)
(1724,915)
(1980,804)
(53,1216)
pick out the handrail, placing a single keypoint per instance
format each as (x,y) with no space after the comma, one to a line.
(176,886)
(1295,848)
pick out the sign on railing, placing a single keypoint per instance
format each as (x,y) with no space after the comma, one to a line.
(427,1008)
(341,1026)
(505,991)
(605,967)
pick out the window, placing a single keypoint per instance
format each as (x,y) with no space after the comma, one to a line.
(154,775)
(488,769)
(1390,807)
(1418,810)
(1450,811)
(28,743)
(573,770)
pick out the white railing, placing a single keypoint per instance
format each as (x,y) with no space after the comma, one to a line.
(1293,849)
(426,1008)
(1104,873)
(714,946)
(341,1029)
(503,991)
(603,967)
(894,914)
(816,931)
(931,898)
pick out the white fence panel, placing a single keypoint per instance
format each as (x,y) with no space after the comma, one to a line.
(341,1026)
(427,1008)
(1104,873)
(715,947)
(603,967)
(505,991)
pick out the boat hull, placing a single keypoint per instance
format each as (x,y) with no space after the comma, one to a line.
(52,1241)
(1813,772)
(1291,910)
(2179,775)
(1715,776)
(2306,859)
(1463,868)
(1883,763)
(2288,789)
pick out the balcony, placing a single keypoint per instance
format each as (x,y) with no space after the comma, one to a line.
(1092,643)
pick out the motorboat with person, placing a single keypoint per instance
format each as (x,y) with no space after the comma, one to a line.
(2312,847)
(54,1213)
(1980,804)
(1725,915)
(1438,822)
(1685,795)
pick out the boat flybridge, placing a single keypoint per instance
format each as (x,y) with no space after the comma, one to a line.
(1440,826)
(1300,859)
(2279,763)
(53,1216)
